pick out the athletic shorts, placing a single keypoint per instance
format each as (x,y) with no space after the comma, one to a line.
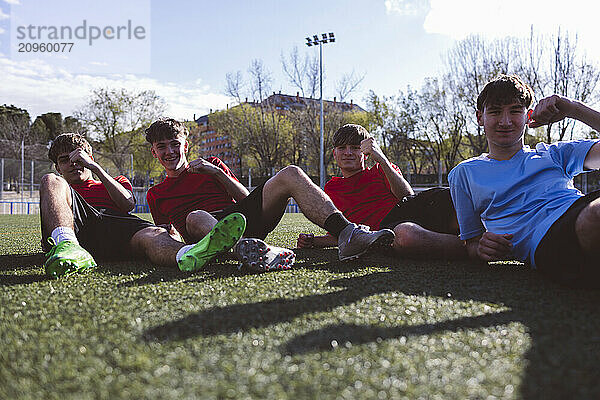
(252,208)
(559,254)
(106,234)
(431,209)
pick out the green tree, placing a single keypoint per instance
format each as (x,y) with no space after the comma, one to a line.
(259,132)
(115,118)
(15,128)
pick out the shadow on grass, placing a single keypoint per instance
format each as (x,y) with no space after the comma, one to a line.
(217,269)
(21,262)
(564,324)
(11,262)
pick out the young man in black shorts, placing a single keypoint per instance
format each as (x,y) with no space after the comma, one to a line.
(197,194)
(520,203)
(425,224)
(80,215)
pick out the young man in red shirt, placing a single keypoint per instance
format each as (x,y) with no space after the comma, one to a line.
(380,197)
(80,215)
(197,194)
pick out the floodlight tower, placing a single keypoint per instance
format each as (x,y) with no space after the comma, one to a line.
(313,42)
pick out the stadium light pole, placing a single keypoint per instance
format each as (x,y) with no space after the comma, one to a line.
(313,42)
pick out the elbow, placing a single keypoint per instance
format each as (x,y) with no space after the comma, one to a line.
(129,205)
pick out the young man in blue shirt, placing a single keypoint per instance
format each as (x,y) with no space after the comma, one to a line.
(520,203)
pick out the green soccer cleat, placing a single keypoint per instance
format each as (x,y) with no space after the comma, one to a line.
(222,237)
(67,258)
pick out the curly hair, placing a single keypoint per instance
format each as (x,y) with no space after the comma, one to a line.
(66,143)
(351,134)
(165,128)
(505,89)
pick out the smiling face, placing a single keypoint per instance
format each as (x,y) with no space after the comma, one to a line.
(171,153)
(504,127)
(72,172)
(349,158)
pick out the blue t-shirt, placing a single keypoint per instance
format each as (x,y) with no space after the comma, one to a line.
(524,195)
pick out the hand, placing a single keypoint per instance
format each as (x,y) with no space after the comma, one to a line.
(171,231)
(369,146)
(549,109)
(201,166)
(494,246)
(81,158)
(305,240)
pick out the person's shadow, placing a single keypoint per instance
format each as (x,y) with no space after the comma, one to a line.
(24,263)
(563,324)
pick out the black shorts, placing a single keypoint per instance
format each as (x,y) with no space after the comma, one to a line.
(106,234)
(559,254)
(432,209)
(251,207)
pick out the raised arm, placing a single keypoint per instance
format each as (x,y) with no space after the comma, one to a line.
(398,185)
(555,108)
(122,197)
(231,185)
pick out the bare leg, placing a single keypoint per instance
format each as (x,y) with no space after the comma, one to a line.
(198,223)
(414,240)
(55,205)
(157,245)
(293,182)
(587,228)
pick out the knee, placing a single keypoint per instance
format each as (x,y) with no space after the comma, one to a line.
(199,222)
(408,236)
(291,173)
(595,210)
(52,181)
(52,185)
(144,237)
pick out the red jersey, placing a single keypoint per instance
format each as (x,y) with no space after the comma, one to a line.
(174,198)
(363,198)
(96,194)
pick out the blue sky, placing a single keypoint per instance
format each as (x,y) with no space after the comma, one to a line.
(189,46)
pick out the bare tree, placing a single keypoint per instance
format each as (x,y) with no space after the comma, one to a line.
(302,73)
(258,130)
(347,84)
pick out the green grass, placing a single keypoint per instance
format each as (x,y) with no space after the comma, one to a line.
(378,328)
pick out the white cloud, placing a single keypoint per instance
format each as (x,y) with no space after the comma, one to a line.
(15,2)
(40,88)
(406,7)
(3,16)
(2,31)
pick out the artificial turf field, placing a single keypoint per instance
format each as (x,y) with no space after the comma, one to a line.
(378,328)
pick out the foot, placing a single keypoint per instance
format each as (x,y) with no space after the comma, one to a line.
(67,258)
(258,256)
(356,240)
(221,238)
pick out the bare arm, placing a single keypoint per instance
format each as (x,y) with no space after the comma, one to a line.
(232,186)
(122,197)
(555,108)
(398,185)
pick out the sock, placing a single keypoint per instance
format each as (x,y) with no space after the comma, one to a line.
(182,251)
(336,223)
(62,233)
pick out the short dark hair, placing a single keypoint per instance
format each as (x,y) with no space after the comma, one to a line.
(505,89)
(351,134)
(66,143)
(165,128)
